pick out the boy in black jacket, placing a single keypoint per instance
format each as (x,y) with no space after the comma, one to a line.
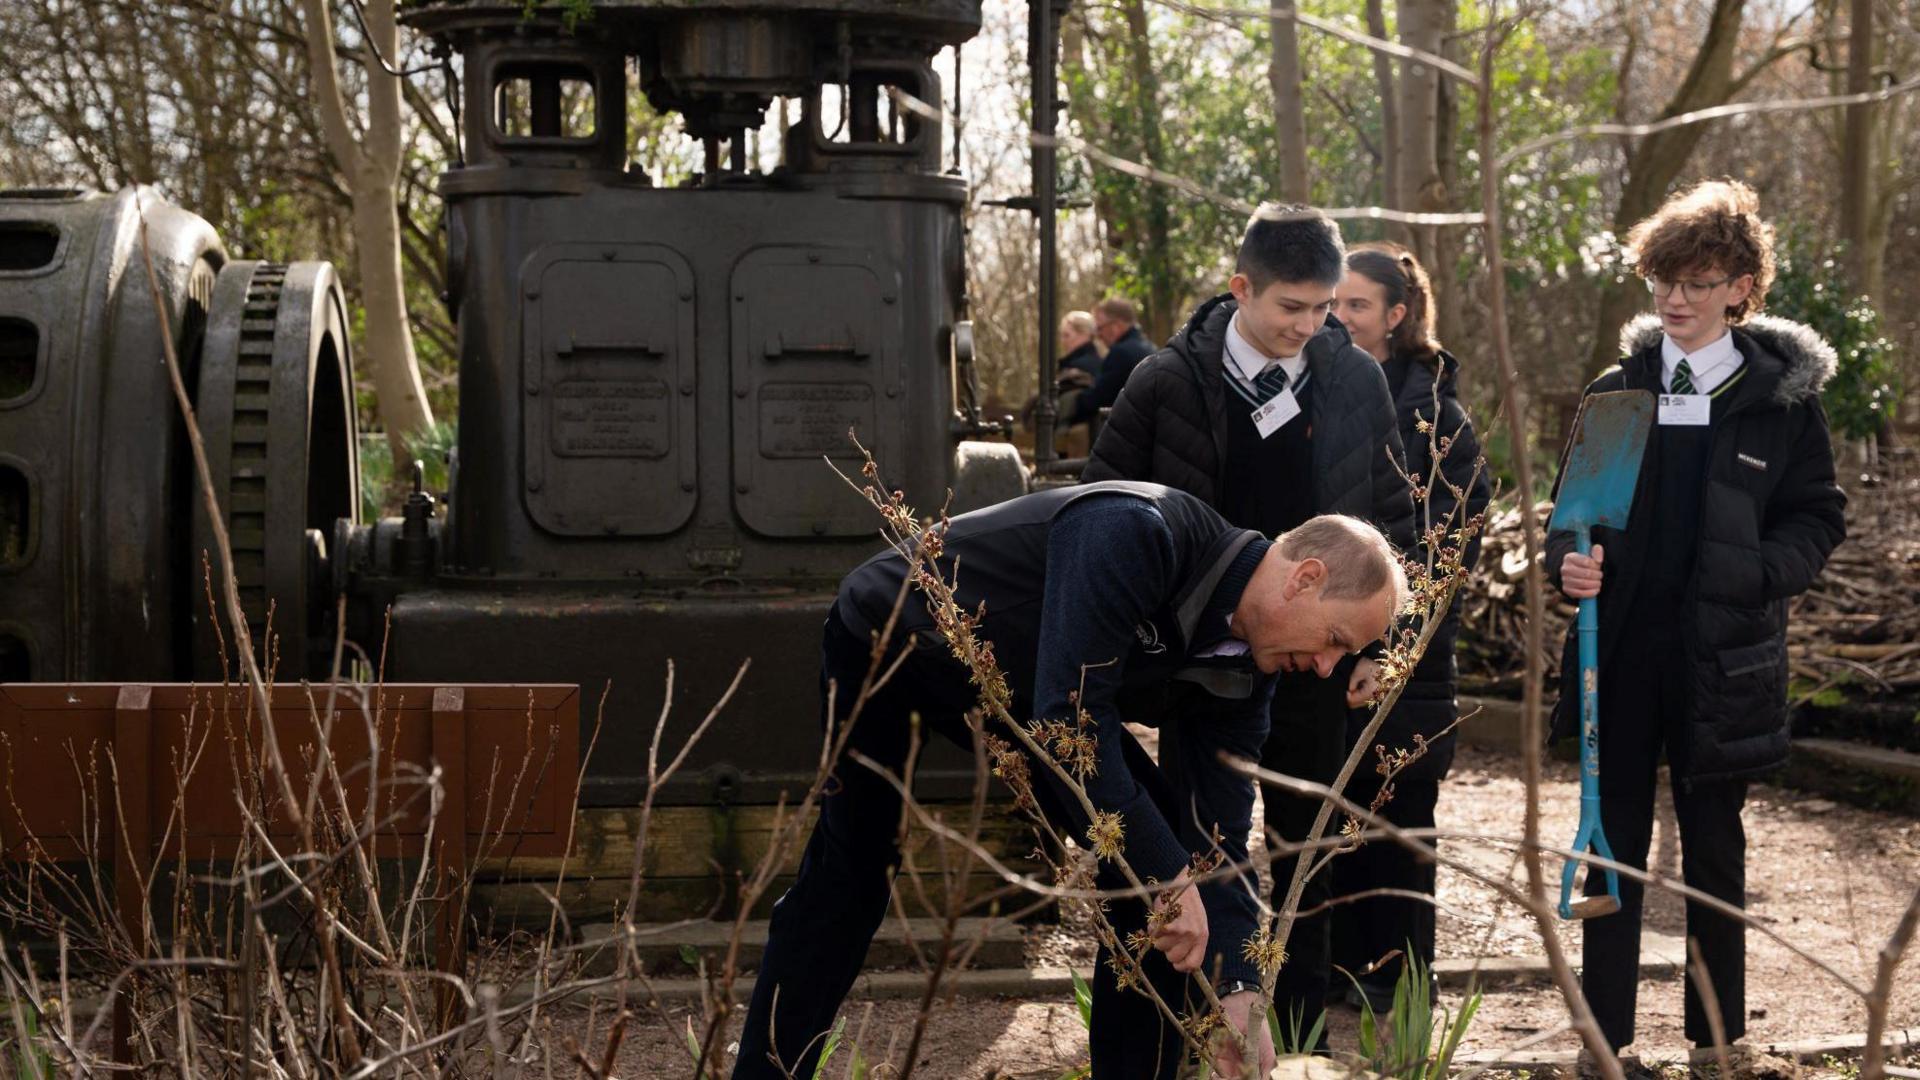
(1263,407)
(1735,513)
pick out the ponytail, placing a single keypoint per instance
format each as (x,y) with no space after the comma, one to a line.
(1401,276)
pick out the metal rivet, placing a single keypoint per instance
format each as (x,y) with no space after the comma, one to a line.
(739,298)
(740,393)
(686,294)
(740,488)
(686,485)
(893,391)
(888,299)
(533,293)
(610,529)
(686,388)
(533,483)
(813,256)
(819,528)
(533,391)
(608,254)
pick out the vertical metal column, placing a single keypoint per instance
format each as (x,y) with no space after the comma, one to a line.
(1042,57)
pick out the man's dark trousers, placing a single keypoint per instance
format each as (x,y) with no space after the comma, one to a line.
(1307,740)
(822,927)
(1643,698)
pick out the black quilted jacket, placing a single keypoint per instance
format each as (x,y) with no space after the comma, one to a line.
(1168,426)
(1770,514)
(1426,707)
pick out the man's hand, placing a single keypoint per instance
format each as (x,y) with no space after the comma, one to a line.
(1226,1054)
(1364,684)
(1184,936)
(1580,575)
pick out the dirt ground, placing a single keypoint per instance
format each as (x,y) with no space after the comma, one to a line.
(1831,879)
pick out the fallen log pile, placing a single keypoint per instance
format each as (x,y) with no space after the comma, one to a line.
(1859,625)
(1493,610)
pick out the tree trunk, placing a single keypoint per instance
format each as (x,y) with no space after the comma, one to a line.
(1156,262)
(372,169)
(386,354)
(1289,105)
(1422,26)
(1657,161)
(1858,190)
(1390,194)
(1449,304)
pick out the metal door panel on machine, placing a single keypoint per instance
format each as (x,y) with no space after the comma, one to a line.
(609,389)
(816,342)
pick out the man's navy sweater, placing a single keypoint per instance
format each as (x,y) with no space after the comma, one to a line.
(1109,589)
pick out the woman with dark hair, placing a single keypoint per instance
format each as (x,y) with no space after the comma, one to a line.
(1386,303)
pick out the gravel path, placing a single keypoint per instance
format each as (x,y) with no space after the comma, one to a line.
(1831,879)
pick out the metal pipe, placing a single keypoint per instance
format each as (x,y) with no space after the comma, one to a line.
(864,123)
(954,112)
(1042,53)
(543,94)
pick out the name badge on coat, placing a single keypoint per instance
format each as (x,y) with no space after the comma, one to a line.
(1274,415)
(1685,410)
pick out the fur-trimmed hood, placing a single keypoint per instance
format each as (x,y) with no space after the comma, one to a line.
(1808,361)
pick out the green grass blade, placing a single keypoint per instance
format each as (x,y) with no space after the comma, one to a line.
(826,1052)
(1313,1034)
(1455,1032)
(1083,999)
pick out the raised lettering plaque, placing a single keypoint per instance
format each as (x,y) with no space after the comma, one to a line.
(807,420)
(628,417)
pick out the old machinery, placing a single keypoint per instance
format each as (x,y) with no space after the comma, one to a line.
(653,381)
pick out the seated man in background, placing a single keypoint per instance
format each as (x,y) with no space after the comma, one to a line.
(1073,376)
(1114,323)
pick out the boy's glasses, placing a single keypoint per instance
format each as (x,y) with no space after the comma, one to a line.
(1691,291)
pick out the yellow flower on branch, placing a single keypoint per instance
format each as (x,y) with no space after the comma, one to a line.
(1263,952)
(1107,834)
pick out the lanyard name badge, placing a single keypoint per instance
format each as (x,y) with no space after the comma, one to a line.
(1273,415)
(1685,410)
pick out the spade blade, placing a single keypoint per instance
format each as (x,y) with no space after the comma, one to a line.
(1603,464)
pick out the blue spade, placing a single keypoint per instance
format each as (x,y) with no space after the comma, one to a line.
(1596,488)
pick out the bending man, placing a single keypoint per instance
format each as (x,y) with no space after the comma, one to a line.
(1138,593)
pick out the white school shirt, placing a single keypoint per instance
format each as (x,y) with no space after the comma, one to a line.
(1711,366)
(1245,363)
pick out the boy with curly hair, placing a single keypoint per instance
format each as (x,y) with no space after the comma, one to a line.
(1735,514)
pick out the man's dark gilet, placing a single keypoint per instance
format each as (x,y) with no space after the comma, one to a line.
(1001,552)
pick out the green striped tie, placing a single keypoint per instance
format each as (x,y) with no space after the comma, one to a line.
(1682,379)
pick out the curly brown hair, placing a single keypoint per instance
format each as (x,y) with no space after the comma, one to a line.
(1713,226)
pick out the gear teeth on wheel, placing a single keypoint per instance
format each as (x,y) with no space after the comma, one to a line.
(252,405)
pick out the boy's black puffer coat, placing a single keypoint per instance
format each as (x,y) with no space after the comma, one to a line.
(1169,425)
(1770,514)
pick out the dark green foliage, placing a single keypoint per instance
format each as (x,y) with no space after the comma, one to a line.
(383,488)
(1813,289)
(1402,1043)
